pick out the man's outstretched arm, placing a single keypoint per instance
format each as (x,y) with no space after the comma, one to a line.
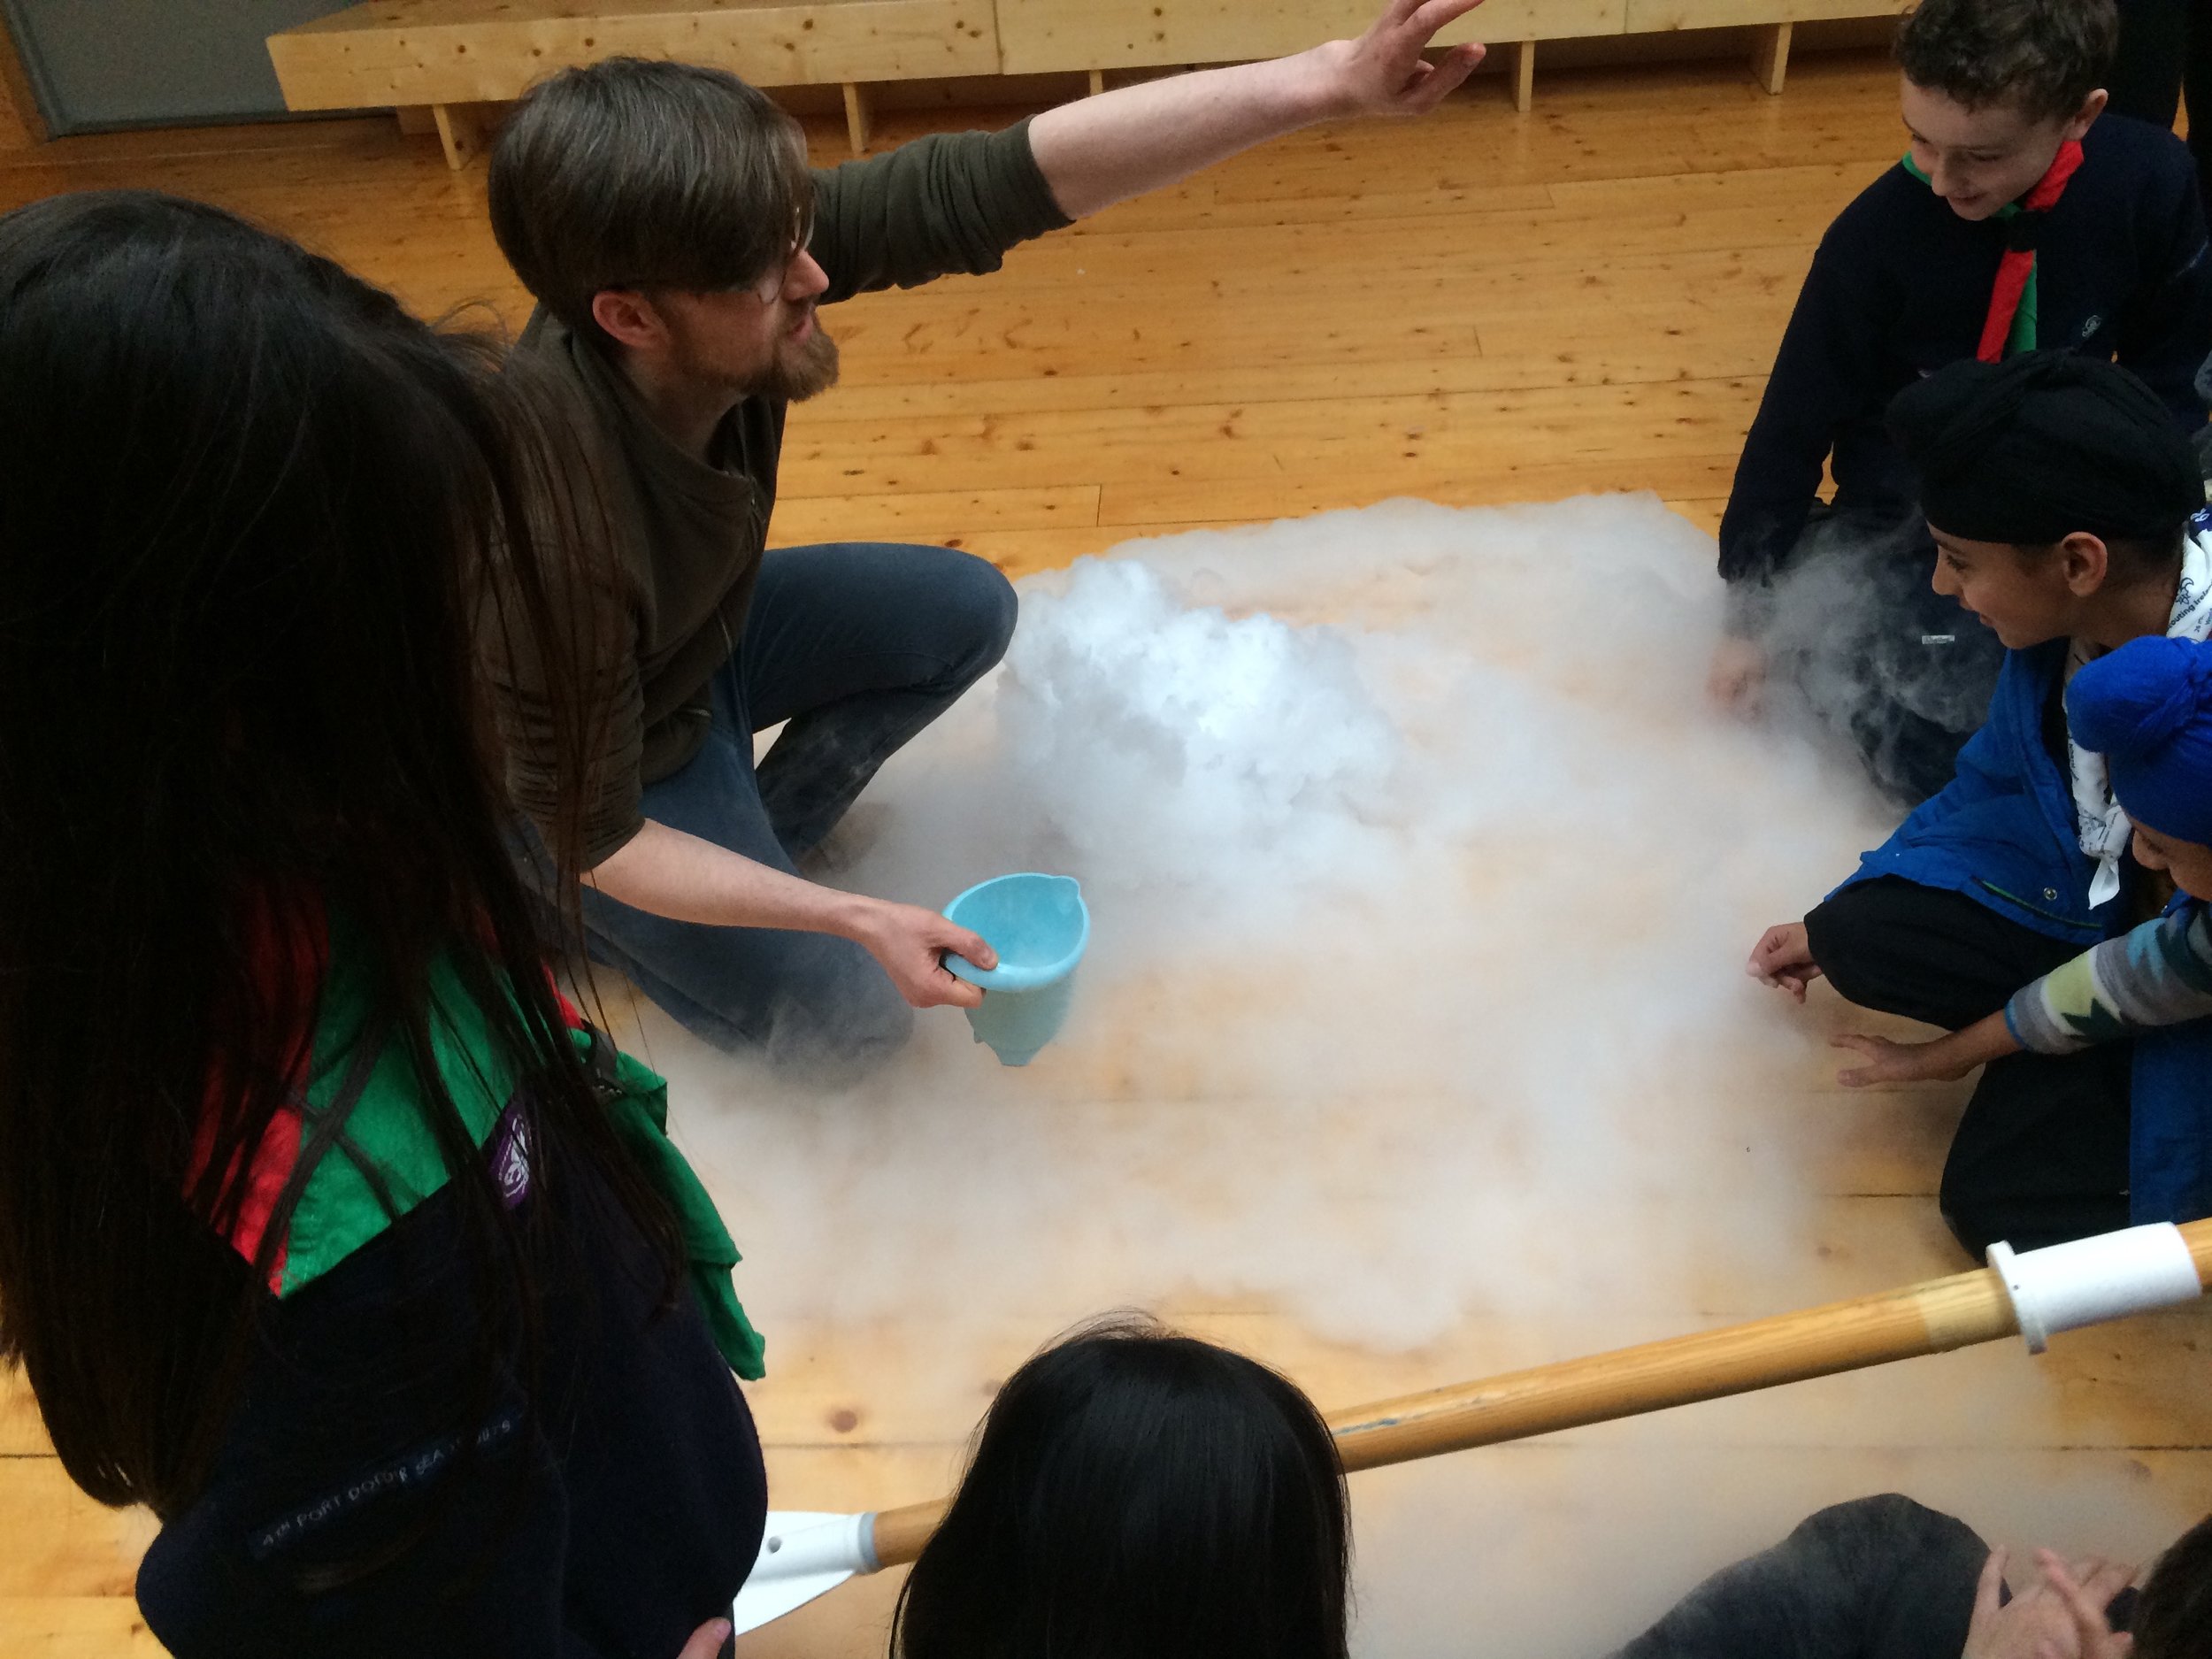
(1100,150)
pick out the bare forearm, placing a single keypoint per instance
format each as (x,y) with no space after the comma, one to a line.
(1100,150)
(671,873)
(1960,1052)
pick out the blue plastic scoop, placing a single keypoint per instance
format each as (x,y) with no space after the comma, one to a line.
(1039,925)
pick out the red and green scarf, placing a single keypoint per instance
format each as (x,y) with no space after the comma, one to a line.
(2010,325)
(339,1209)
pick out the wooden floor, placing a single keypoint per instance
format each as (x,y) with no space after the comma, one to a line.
(1482,308)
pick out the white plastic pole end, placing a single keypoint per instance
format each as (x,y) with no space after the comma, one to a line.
(2109,1276)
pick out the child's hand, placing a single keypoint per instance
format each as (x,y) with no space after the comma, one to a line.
(1784,957)
(2058,1617)
(706,1641)
(1737,678)
(1889,1061)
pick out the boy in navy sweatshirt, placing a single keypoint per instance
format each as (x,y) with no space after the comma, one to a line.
(2016,219)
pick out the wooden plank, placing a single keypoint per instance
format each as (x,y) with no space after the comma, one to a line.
(437,51)
(22,1433)
(1644,17)
(1524,72)
(1266,460)
(60,1542)
(926,515)
(74,1627)
(1055,34)
(2117,1388)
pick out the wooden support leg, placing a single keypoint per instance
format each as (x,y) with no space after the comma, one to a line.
(856,118)
(1524,74)
(1770,56)
(1098,81)
(462,129)
(416,118)
(21,126)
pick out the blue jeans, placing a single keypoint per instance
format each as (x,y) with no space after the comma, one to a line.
(858,646)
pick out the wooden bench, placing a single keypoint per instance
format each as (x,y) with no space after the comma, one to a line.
(454,57)
(448,63)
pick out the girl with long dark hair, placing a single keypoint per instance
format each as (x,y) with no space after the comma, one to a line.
(325,1231)
(1138,1494)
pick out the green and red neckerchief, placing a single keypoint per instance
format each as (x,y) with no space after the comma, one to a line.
(2010,325)
(388,1142)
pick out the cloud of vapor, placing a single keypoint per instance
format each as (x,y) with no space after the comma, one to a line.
(1421,878)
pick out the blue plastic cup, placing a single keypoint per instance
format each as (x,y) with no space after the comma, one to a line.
(1039,925)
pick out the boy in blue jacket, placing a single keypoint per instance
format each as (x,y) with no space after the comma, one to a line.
(2020,215)
(2068,511)
(2147,708)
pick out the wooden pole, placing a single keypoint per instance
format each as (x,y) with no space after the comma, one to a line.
(1930,1317)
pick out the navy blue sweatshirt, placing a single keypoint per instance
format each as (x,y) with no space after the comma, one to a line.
(603,1505)
(1899,287)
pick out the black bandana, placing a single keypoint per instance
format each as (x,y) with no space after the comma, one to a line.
(2044,443)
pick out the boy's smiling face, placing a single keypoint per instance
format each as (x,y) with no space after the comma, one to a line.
(2024,597)
(1979,159)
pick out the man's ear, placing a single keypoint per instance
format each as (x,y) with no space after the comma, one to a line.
(2082,119)
(2084,562)
(628,318)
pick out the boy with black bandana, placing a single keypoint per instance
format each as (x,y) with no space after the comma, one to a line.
(2067,511)
(2021,218)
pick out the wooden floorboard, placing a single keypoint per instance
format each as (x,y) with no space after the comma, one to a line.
(1481,308)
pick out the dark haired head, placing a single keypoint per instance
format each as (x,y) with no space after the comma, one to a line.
(2046,444)
(1136,1494)
(247,508)
(2043,56)
(2173,1617)
(630,174)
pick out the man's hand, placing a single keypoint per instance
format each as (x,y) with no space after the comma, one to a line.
(2061,1617)
(707,1640)
(1784,957)
(1737,678)
(1383,73)
(910,944)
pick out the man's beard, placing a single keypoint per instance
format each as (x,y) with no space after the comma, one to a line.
(796,375)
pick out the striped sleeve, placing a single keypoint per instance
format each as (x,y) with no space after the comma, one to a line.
(2158,974)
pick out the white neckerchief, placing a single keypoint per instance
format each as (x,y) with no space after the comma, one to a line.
(2104,826)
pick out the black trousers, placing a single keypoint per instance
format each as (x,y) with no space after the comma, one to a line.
(2041,1154)
(2165,53)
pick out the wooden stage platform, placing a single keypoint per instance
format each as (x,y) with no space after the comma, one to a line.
(1487,307)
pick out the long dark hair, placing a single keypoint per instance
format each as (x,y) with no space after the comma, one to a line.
(1137,1494)
(2173,1619)
(253,518)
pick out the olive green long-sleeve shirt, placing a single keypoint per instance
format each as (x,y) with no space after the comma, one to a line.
(689,534)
